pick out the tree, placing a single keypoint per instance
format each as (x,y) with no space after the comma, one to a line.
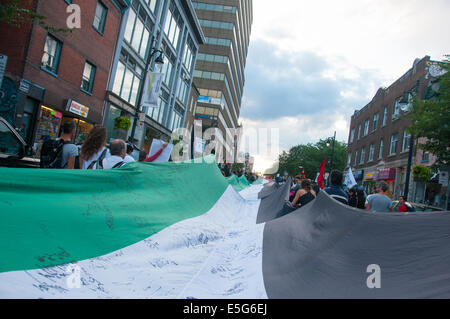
(310,157)
(20,12)
(431,119)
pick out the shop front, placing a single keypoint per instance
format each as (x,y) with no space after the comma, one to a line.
(369,182)
(388,176)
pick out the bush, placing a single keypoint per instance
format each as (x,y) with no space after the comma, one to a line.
(122,123)
(421,172)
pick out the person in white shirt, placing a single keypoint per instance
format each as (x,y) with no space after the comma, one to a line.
(118,150)
(94,148)
(128,158)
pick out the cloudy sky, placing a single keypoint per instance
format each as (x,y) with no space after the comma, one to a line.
(311,64)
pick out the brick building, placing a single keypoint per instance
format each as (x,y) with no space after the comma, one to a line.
(378,145)
(54,77)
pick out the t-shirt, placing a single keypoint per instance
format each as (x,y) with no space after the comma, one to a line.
(305,199)
(95,157)
(379,203)
(69,150)
(129,159)
(111,161)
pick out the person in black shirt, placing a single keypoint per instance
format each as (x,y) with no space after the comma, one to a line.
(352,198)
(335,190)
(304,195)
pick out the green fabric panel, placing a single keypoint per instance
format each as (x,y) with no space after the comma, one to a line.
(50,217)
(237,182)
(259,181)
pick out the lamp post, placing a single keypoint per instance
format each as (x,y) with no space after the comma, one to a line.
(404,104)
(332,150)
(159,62)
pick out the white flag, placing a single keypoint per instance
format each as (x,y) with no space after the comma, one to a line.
(350,179)
(152,89)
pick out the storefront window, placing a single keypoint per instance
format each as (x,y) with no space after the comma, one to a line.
(49,124)
(82,129)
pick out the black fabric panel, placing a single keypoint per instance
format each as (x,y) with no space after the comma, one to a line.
(272,205)
(268,189)
(323,250)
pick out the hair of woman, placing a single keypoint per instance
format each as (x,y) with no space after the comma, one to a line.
(95,140)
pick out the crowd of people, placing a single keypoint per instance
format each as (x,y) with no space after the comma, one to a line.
(226,170)
(93,153)
(304,191)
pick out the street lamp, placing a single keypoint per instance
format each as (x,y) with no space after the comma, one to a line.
(332,151)
(404,105)
(159,62)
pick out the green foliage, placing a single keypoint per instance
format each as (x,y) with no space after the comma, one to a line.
(431,119)
(122,123)
(422,172)
(237,166)
(19,13)
(310,156)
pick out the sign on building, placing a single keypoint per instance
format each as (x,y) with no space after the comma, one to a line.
(77,108)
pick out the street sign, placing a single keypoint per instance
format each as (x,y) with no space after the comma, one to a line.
(443,178)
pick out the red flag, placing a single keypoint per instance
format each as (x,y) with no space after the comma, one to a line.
(320,178)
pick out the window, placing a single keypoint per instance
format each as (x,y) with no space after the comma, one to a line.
(375,122)
(356,158)
(218,41)
(385,116)
(371,151)
(359,131)
(157,113)
(137,31)
(128,78)
(366,127)
(425,157)
(87,81)
(52,51)
(349,159)
(216,24)
(213,58)
(380,151)
(168,67)
(100,17)
(405,144)
(188,59)
(9,143)
(352,135)
(172,26)
(393,145)
(213,7)
(151,4)
(363,155)
(396,113)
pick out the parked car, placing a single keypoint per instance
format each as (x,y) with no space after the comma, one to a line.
(14,151)
(418,207)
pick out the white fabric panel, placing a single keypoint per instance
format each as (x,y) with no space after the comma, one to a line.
(222,248)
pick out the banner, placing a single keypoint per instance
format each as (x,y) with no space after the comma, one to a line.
(152,89)
(350,179)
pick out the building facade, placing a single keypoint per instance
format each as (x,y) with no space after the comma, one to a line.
(148,28)
(378,144)
(219,71)
(53,77)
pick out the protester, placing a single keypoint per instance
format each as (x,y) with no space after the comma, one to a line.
(304,195)
(118,150)
(379,202)
(335,189)
(352,197)
(402,208)
(94,149)
(70,150)
(128,157)
(361,198)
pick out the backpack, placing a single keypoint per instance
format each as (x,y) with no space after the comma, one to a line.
(51,153)
(99,161)
(119,165)
(410,208)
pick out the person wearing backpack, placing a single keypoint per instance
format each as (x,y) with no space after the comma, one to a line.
(118,150)
(94,149)
(60,153)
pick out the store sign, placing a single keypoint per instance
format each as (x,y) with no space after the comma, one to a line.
(388,173)
(24,86)
(368,176)
(3,61)
(77,108)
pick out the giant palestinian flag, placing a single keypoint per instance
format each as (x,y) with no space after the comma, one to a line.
(182,230)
